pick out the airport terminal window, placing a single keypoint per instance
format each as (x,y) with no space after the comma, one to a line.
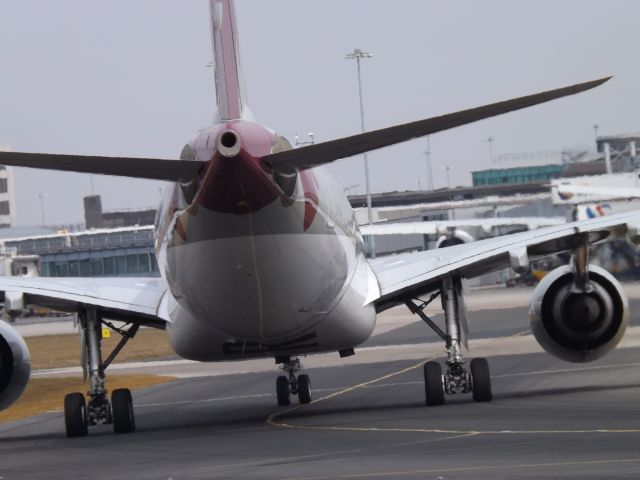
(109,265)
(129,264)
(121,265)
(132,264)
(56,269)
(74,269)
(96,268)
(85,268)
(143,263)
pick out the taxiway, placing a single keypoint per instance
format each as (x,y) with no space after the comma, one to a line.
(549,419)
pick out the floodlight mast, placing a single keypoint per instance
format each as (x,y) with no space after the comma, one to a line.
(357,55)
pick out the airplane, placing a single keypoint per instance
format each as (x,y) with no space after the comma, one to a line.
(578,194)
(489,201)
(261,256)
(451,232)
(597,195)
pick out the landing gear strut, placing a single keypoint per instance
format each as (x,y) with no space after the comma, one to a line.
(79,414)
(456,379)
(287,385)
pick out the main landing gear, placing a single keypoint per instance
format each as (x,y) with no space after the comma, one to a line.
(79,414)
(456,379)
(287,385)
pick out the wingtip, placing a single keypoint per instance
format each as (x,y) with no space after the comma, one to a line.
(581,87)
(598,82)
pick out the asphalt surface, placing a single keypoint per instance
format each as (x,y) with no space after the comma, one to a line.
(549,419)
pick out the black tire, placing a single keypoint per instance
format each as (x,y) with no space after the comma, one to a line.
(75,415)
(304,389)
(283,391)
(122,407)
(433,386)
(481,378)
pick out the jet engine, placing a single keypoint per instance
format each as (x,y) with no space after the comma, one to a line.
(457,237)
(15,367)
(578,326)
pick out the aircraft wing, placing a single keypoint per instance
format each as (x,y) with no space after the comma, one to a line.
(300,158)
(326,152)
(139,300)
(407,276)
(436,227)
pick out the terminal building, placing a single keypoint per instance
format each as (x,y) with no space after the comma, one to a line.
(517,175)
(118,252)
(7,214)
(99,251)
(7,199)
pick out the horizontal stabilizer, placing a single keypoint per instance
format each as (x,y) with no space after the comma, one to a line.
(321,153)
(150,168)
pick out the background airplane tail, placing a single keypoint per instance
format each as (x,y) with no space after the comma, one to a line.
(230,91)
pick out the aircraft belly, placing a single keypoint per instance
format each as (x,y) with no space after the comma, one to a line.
(348,324)
(263,287)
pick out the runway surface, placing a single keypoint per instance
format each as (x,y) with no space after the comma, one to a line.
(549,419)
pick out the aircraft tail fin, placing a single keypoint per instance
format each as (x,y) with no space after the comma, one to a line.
(230,91)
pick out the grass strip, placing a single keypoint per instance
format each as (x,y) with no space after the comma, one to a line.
(47,394)
(57,351)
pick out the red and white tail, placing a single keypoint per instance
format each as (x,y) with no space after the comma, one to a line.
(230,92)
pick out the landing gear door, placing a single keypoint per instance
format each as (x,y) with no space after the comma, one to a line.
(462,315)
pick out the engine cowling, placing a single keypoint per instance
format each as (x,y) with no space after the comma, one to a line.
(578,327)
(457,237)
(15,366)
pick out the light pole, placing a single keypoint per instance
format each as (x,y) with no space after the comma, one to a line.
(42,196)
(427,154)
(358,55)
(452,211)
(490,141)
(447,168)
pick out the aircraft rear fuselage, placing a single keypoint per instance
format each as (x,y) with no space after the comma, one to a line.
(258,259)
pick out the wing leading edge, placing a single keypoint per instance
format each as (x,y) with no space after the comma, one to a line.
(407,276)
(137,300)
(326,152)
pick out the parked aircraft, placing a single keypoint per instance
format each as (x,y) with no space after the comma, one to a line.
(598,195)
(452,232)
(261,256)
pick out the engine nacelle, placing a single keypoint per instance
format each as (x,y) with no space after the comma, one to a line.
(15,367)
(457,237)
(578,327)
